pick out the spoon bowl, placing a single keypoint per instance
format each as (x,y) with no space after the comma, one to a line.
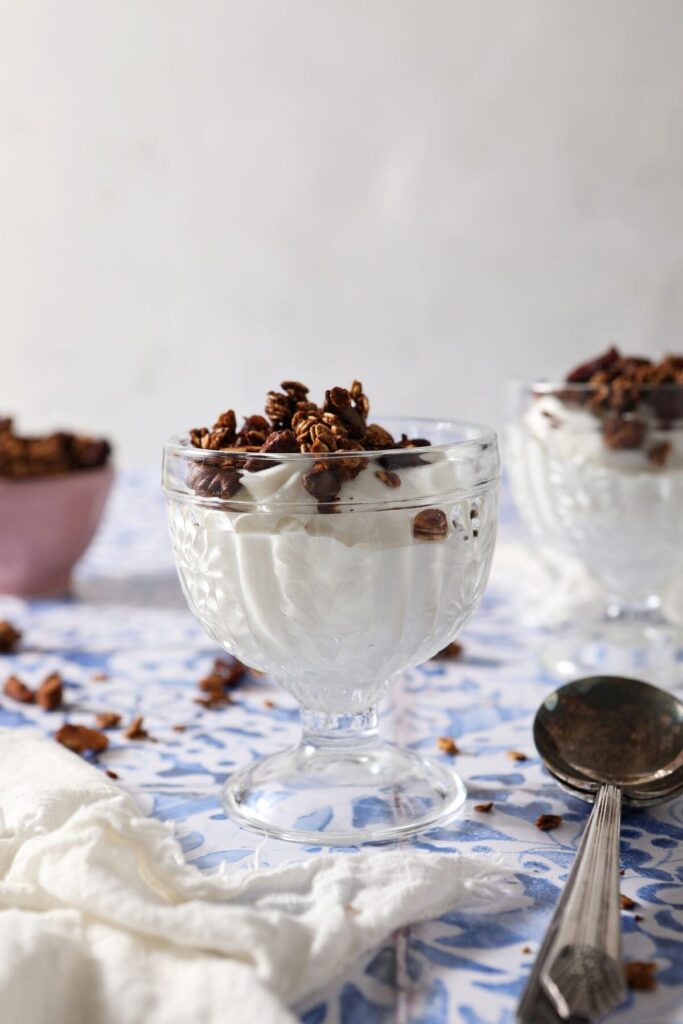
(609,729)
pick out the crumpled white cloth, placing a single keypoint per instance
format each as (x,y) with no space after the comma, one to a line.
(102,921)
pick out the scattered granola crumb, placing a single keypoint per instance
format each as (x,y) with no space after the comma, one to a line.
(517,755)
(640,975)
(179,727)
(215,699)
(430,524)
(447,745)
(136,731)
(79,738)
(526,949)
(111,774)
(626,902)
(50,692)
(269,704)
(546,822)
(452,650)
(484,808)
(18,690)
(622,871)
(9,637)
(99,677)
(107,719)
(637,917)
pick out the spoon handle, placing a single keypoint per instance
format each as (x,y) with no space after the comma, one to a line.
(583,974)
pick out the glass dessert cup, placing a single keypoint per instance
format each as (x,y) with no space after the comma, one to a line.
(607,489)
(334,599)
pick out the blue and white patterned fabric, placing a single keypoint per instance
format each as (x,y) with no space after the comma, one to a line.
(127,619)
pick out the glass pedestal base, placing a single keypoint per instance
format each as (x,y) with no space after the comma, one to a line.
(644,647)
(343,793)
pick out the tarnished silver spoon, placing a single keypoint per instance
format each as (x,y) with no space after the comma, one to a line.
(605,739)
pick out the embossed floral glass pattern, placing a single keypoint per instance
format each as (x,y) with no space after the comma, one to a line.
(334,600)
(609,491)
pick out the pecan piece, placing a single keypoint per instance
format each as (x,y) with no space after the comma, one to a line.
(79,738)
(50,692)
(388,477)
(323,482)
(18,690)
(278,441)
(430,524)
(620,433)
(279,409)
(377,437)
(297,392)
(9,637)
(546,822)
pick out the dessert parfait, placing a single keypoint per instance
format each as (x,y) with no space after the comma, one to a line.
(334,552)
(596,464)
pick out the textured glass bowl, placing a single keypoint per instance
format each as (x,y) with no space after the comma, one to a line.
(616,505)
(334,606)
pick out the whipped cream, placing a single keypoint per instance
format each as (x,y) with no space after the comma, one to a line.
(333,605)
(614,508)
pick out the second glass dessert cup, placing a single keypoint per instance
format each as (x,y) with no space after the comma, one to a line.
(334,599)
(606,488)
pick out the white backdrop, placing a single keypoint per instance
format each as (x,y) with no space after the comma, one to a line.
(201,197)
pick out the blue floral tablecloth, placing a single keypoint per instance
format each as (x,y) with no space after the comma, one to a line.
(126,619)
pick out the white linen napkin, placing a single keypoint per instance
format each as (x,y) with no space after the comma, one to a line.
(102,921)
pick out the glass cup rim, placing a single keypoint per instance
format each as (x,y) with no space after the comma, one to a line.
(552,387)
(482,436)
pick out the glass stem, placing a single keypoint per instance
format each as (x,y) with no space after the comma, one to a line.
(322,729)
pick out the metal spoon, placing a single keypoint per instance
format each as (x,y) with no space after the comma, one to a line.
(604,739)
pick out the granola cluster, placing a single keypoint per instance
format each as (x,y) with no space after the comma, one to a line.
(628,392)
(61,452)
(294,424)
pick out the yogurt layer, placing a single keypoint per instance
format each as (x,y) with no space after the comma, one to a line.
(333,605)
(614,508)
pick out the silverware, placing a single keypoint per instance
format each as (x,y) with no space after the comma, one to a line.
(605,739)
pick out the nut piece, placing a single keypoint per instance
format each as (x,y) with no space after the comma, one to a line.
(50,692)
(447,745)
(517,755)
(430,524)
(323,482)
(9,637)
(546,822)
(640,975)
(107,719)
(484,808)
(626,902)
(17,690)
(583,373)
(79,739)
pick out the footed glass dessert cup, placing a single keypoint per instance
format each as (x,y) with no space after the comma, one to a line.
(334,589)
(606,486)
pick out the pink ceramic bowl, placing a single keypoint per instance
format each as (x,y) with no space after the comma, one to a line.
(45,526)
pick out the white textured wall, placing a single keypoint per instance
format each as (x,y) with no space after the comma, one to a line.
(200,197)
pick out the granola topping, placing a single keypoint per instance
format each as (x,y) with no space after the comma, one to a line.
(62,452)
(293,424)
(9,637)
(430,524)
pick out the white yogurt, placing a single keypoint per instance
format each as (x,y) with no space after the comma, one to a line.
(616,510)
(334,605)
